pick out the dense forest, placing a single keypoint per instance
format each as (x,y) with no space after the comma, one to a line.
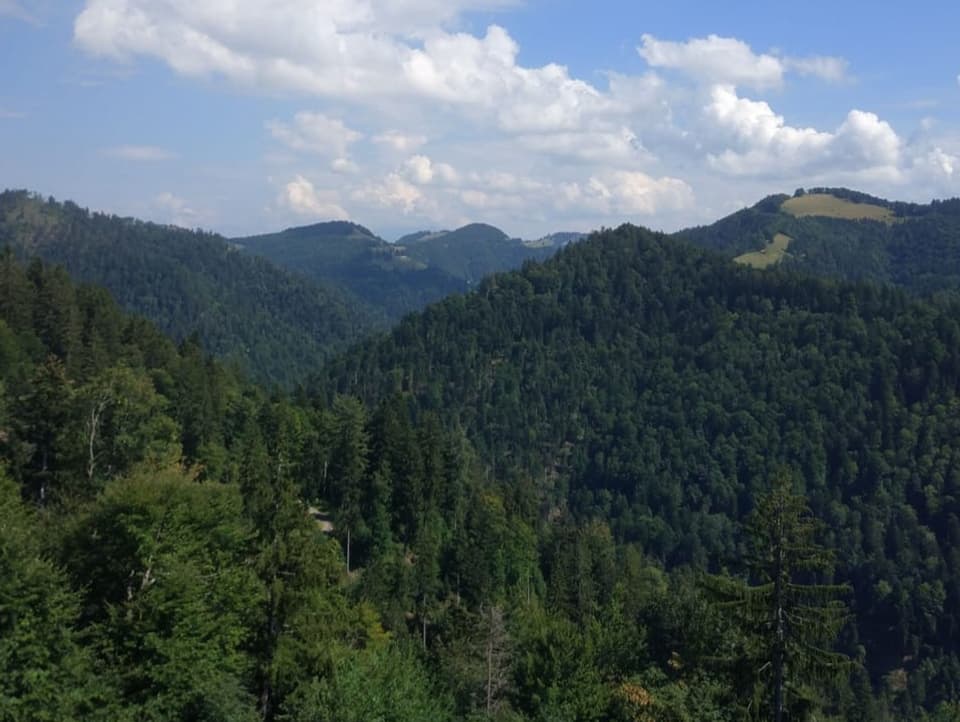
(396,278)
(635,482)
(160,560)
(916,247)
(274,324)
(638,381)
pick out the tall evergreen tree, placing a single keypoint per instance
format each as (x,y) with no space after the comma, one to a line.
(789,620)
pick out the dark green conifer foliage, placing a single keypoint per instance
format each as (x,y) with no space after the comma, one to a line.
(789,620)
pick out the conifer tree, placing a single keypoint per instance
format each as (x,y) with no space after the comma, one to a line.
(789,620)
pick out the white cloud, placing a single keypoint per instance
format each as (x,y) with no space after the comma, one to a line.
(831,69)
(866,140)
(633,193)
(315,133)
(612,146)
(715,59)
(139,153)
(400,142)
(939,162)
(530,145)
(301,197)
(482,72)
(763,143)
(422,170)
(394,192)
(343,48)
(11,114)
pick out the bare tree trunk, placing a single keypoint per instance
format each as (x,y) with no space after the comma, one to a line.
(93,426)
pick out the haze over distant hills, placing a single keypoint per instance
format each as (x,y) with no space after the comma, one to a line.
(399,277)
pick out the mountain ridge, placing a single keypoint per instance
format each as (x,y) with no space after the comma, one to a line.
(273,323)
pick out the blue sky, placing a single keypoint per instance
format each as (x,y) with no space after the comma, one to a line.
(244,116)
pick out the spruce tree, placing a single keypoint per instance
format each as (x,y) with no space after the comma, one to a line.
(788,619)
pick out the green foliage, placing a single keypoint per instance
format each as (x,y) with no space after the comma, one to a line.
(387,685)
(917,247)
(168,597)
(274,324)
(528,480)
(46,672)
(639,381)
(789,622)
(394,278)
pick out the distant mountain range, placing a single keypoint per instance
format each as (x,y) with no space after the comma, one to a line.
(400,277)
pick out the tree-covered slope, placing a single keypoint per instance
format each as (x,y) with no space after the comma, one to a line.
(473,251)
(276,325)
(352,258)
(157,560)
(845,234)
(400,277)
(638,380)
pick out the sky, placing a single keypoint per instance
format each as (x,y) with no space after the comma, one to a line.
(248,116)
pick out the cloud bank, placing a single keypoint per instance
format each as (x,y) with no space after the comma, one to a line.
(405,113)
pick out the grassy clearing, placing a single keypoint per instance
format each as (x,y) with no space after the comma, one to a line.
(823,204)
(769,256)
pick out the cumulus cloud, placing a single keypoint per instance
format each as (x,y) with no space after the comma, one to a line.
(139,153)
(455,125)
(939,162)
(301,197)
(616,145)
(716,59)
(631,193)
(343,48)
(394,192)
(763,143)
(423,170)
(463,69)
(315,133)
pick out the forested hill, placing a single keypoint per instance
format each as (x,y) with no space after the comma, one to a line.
(636,379)
(473,251)
(396,277)
(274,324)
(350,257)
(845,234)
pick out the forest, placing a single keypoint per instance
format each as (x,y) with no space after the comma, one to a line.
(633,482)
(274,325)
